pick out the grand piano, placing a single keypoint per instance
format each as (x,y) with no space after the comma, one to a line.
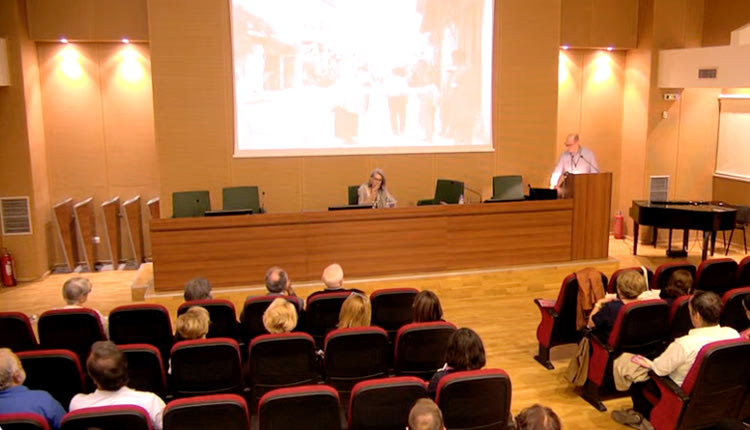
(708,217)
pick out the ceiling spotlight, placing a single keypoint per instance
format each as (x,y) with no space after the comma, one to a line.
(565,47)
(610,48)
(125,40)
(63,40)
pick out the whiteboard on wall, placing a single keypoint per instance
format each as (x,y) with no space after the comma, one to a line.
(733,146)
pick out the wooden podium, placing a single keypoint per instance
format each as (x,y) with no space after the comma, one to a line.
(592,197)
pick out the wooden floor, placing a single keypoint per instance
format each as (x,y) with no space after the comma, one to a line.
(495,303)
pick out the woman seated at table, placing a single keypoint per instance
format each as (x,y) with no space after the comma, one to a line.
(374,191)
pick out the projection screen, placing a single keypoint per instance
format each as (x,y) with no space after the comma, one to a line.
(334,77)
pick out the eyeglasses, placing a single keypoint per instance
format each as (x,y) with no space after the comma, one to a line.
(376,178)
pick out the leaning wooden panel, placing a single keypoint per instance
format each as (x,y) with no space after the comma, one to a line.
(86,226)
(134,227)
(112,231)
(66,231)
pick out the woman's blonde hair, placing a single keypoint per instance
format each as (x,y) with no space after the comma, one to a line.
(280,316)
(355,312)
(193,324)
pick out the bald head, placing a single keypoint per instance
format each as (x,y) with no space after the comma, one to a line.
(276,280)
(425,415)
(333,277)
(571,143)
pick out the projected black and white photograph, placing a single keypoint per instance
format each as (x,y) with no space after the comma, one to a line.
(361,76)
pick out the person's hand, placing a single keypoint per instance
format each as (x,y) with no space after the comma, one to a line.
(641,361)
(289,290)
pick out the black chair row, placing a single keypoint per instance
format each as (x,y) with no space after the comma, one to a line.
(374,404)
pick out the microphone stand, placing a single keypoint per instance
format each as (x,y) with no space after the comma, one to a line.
(473,191)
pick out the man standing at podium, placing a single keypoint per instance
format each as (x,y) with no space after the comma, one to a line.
(575,159)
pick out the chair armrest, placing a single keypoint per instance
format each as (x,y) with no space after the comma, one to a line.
(546,306)
(593,338)
(665,383)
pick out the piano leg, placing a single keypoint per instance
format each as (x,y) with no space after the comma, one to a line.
(713,242)
(685,240)
(706,235)
(635,237)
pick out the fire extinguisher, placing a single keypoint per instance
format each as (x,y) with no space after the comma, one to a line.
(8,268)
(618,227)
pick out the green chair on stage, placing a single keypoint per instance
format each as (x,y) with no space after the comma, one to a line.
(190,203)
(237,198)
(447,191)
(353,193)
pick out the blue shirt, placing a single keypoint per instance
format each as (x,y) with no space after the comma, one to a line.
(20,399)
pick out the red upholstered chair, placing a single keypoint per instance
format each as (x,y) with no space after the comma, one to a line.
(743,272)
(419,349)
(322,314)
(251,317)
(145,368)
(279,361)
(640,328)
(733,312)
(23,421)
(392,308)
(142,323)
(679,318)
(222,314)
(612,284)
(353,355)
(16,332)
(206,366)
(713,389)
(558,324)
(464,398)
(312,407)
(718,275)
(73,329)
(121,417)
(664,272)
(218,411)
(384,403)
(56,371)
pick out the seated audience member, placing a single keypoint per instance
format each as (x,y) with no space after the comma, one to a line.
(333,278)
(629,286)
(15,397)
(277,282)
(355,312)
(676,361)
(680,284)
(426,307)
(193,324)
(76,292)
(425,415)
(197,289)
(746,305)
(465,352)
(537,417)
(280,316)
(108,368)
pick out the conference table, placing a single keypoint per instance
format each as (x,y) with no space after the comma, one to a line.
(237,250)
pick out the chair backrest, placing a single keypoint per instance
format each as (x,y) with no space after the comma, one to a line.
(315,407)
(16,332)
(718,275)
(743,272)
(733,312)
(322,313)
(241,198)
(384,403)
(251,317)
(222,313)
(281,360)
(206,366)
(463,399)
(679,318)
(142,323)
(612,284)
(392,308)
(448,190)
(352,194)
(355,354)
(73,329)
(154,209)
(664,272)
(145,368)
(641,328)
(716,382)
(218,411)
(56,371)
(419,349)
(565,329)
(120,417)
(23,421)
(509,187)
(190,203)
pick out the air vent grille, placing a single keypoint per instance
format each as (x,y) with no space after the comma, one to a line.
(707,73)
(15,215)
(658,189)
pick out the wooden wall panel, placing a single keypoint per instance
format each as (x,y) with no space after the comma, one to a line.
(475,170)
(88,20)
(599,23)
(279,178)
(730,191)
(410,177)
(720,17)
(325,180)
(698,128)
